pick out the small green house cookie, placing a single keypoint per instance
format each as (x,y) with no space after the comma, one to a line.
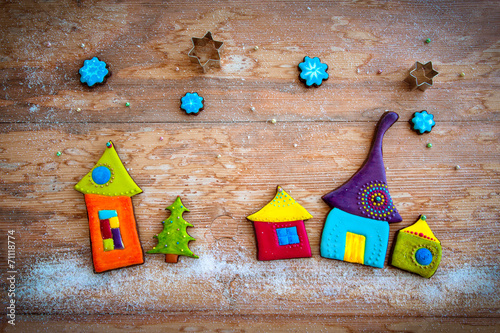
(417,250)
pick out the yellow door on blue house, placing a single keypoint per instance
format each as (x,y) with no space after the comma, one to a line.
(354,248)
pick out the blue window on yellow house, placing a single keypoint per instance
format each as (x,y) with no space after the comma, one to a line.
(287,236)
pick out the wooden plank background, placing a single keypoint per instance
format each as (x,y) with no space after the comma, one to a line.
(320,139)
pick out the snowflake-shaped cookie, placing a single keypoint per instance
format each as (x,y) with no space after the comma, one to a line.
(192,103)
(93,71)
(422,122)
(313,71)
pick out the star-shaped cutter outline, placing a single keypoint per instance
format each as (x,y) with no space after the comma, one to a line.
(429,74)
(201,42)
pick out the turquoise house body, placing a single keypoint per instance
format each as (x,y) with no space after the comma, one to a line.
(342,239)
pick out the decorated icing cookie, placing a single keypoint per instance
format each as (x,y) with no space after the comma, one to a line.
(93,71)
(422,122)
(192,103)
(279,229)
(357,228)
(312,72)
(417,250)
(108,189)
(173,240)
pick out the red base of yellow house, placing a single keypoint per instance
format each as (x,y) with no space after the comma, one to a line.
(126,250)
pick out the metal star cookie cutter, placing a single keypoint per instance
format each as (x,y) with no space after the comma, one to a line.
(206,51)
(421,76)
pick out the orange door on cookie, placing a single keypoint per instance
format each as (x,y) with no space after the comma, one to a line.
(104,256)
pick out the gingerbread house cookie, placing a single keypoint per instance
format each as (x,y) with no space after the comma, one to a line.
(108,189)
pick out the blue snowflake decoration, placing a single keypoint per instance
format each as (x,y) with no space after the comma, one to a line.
(313,71)
(93,71)
(422,122)
(192,103)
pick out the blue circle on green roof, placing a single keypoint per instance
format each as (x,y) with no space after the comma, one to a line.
(423,256)
(101,175)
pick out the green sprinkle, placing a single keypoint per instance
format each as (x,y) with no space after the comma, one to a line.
(127,104)
(427,40)
(58,153)
(429,145)
(462,74)
(423,217)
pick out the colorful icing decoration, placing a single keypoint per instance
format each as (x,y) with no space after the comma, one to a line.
(93,71)
(357,228)
(417,250)
(279,229)
(173,240)
(110,230)
(108,189)
(375,200)
(422,122)
(192,103)
(313,71)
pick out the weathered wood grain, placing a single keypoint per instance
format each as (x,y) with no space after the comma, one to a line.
(320,139)
(461,206)
(144,47)
(250,323)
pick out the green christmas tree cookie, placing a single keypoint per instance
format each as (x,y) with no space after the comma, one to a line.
(173,240)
